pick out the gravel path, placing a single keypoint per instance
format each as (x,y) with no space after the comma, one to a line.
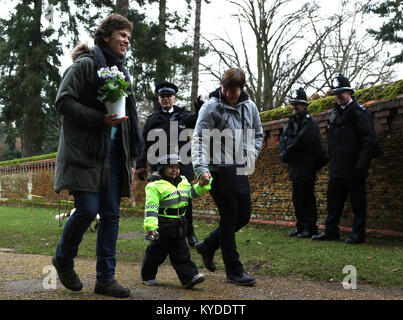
(22,275)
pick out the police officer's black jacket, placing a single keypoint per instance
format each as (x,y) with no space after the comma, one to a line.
(163,120)
(352,141)
(302,148)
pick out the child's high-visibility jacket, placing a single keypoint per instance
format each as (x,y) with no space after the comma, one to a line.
(163,199)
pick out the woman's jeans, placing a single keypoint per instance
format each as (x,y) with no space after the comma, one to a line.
(88,204)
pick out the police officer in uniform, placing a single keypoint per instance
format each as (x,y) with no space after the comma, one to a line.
(302,148)
(166,116)
(352,144)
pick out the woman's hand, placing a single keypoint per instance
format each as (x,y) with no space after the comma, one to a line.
(113,122)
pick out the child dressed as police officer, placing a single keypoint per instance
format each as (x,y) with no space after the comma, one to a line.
(167,196)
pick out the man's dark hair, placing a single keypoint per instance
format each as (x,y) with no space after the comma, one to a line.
(233,78)
(110,24)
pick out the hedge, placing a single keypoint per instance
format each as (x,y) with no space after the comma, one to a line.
(16,162)
(379,92)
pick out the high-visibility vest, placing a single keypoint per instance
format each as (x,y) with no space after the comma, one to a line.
(165,200)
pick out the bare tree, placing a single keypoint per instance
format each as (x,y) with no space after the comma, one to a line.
(349,50)
(196,54)
(283,51)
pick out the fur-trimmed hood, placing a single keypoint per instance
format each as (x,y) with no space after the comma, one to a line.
(79,50)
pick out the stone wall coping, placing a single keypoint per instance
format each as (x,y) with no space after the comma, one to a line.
(30,164)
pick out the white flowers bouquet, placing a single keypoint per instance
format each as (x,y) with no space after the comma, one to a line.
(115,87)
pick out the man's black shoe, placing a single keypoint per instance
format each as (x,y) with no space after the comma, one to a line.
(68,277)
(207,256)
(306,234)
(294,233)
(355,239)
(326,236)
(111,289)
(192,240)
(241,280)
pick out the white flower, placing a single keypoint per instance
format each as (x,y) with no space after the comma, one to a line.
(111,73)
(120,75)
(104,73)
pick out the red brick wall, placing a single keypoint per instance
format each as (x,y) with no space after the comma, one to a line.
(270,188)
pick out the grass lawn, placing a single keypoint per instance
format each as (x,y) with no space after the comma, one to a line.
(264,250)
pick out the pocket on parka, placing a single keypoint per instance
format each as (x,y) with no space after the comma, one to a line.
(75,140)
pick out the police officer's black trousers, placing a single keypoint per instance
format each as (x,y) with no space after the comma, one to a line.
(337,192)
(234,213)
(304,200)
(179,255)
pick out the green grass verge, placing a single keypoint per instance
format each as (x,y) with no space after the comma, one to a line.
(264,250)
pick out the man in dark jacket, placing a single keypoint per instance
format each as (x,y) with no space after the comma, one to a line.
(173,121)
(352,145)
(95,155)
(302,148)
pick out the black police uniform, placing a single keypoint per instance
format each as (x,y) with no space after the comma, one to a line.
(351,139)
(352,144)
(302,148)
(164,120)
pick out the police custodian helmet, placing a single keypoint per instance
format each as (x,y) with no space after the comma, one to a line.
(340,83)
(298,96)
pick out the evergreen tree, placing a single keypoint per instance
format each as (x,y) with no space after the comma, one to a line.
(29,75)
(153,58)
(29,69)
(392,29)
(30,64)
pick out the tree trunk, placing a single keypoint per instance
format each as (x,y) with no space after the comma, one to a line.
(196,56)
(122,7)
(33,118)
(161,66)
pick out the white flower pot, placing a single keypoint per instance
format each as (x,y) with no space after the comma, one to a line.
(118,107)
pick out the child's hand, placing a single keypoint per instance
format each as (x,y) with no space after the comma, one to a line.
(204,179)
(153,234)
